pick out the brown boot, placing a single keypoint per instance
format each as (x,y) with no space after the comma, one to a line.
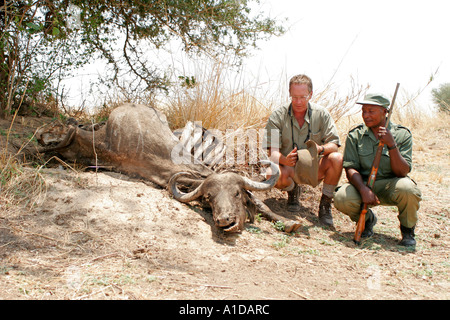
(293,203)
(325,216)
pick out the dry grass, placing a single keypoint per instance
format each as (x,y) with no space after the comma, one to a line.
(241,105)
(216,103)
(21,186)
(431,153)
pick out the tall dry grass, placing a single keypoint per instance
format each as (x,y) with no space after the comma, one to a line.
(216,101)
(431,135)
(21,186)
(223,100)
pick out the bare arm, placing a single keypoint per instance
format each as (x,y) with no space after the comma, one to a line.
(328,148)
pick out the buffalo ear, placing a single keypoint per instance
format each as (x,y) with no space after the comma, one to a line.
(250,207)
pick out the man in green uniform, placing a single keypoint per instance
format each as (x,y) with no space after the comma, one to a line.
(392,185)
(302,138)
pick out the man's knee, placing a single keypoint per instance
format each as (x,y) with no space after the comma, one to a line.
(330,167)
(405,187)
(285,180)
(336,158)
(347,199)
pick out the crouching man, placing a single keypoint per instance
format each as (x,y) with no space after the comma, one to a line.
(392,185)
(305,142)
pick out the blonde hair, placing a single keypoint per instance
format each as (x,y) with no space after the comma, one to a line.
(301,79)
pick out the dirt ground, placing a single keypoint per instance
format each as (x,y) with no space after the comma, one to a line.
(103,235)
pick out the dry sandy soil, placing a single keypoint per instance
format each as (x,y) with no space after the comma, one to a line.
(103,235)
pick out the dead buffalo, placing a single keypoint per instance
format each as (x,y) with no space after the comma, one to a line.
(137,141)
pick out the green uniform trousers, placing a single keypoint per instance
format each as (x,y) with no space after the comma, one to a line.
(400,192)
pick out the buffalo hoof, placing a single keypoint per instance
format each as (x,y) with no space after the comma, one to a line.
(291,226)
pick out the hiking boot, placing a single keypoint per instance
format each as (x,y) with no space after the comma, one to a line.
(370,222)
(293,203)
(407,236)
(325,216)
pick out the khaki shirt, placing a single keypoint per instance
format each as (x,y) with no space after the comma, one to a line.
(280,134)
(361,147)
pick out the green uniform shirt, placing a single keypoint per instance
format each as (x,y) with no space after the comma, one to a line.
(280,133)
(361,147)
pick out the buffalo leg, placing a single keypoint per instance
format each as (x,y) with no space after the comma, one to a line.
(266,212)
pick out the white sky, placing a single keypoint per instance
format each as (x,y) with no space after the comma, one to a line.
(376,42)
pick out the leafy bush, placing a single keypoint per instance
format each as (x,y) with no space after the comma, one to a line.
(441,96)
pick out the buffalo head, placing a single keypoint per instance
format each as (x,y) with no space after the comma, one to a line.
(228,195)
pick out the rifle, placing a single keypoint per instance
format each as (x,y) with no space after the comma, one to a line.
(373,175)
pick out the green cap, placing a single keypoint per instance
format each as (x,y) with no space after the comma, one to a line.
(376,99)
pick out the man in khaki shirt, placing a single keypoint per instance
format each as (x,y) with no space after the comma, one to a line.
(287,132)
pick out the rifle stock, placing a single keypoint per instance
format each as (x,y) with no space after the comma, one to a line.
(373,175)
(360,225)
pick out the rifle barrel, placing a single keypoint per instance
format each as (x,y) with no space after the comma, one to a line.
(392,105)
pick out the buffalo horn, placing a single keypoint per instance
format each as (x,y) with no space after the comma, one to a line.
(64,143)
(179,195)
(265,185)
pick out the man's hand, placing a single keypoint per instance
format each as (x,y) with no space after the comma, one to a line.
(385,136)
(291,158)
(368,197)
